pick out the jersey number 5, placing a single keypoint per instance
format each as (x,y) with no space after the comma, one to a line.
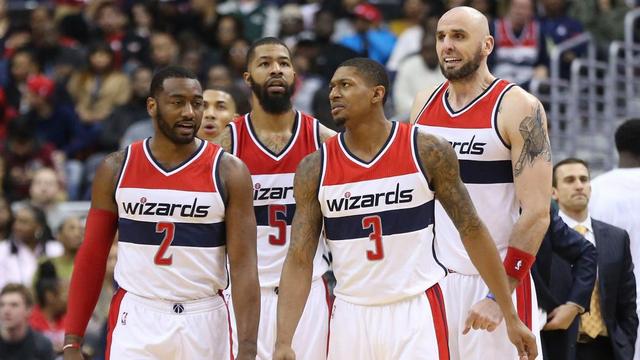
(279,223)
(375,223)
(168,228)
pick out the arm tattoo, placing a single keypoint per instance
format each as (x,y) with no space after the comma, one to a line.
(441,163)
(536,144)
(224,139)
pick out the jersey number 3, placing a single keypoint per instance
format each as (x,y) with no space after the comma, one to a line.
(169,229)
(375,223)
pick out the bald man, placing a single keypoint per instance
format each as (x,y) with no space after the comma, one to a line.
(219,110)
(499,133)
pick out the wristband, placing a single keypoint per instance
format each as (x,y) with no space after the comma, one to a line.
(71,346)
(517,263)
(491,296)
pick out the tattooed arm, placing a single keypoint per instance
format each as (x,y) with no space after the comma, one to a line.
(441,165)
(295,281)
(224,139)
(523,124)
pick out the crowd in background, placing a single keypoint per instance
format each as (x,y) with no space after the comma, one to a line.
(74,78)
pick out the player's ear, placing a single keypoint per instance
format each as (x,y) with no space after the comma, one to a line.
(487,45)
(151,106)
(378,94)
(246,76)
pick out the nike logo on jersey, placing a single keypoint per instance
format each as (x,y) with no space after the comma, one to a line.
(166,209)
(468,147)
(351,202)
(272,193)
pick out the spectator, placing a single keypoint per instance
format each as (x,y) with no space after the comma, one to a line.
(409,42)
(413,12)
(164,50)
(137,41)
(372,38)
(7,113)
(416,73)
(99,88)
(557,27)
(330,54)
(201,21)
(291,25)
(18,341)
(47,194)
(604,19)
(6,218)
(616,198)
(260,19)
(29,240)
(219,75)
(520,52)
(219,110)
(111,23)
(236,59)
(22,65)
(70,234)
(609,329)
(23,154)
(48,315)
(308,82)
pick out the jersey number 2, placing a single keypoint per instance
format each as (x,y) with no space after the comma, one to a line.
(375,223)
(279,223)
(168,229)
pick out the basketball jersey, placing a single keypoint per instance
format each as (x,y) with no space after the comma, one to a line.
(485,168)
(378,220)
(273,201)
(516,57)
(171,232)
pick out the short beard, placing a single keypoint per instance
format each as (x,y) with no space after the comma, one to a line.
(169,131)
(272,104)
(340,121)
(466,71)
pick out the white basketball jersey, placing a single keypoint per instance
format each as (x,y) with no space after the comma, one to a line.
(378,221)
(485,169)
(171,232)
(273,201)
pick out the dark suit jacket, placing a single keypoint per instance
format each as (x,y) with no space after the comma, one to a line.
(572,249)
(616,284)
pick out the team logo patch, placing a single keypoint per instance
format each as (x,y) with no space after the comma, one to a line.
(123,318)
(178,308)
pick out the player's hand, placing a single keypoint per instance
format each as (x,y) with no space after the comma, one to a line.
(72,354)
(283,352)
(522,338)
(483,315)
(561,317)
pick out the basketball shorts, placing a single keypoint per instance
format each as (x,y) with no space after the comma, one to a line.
(414,328)
(460,293)
(141,328)
(310,338)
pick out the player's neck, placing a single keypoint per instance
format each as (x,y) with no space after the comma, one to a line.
(170,154)
(628,160)
(272,123)
(462,92)
(366,138)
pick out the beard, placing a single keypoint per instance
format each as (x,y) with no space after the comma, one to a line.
(170,132)
(272,103)
(465,70)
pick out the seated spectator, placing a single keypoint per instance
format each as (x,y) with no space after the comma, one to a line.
(6,218)
(22,65)
(47,194)
(260,19)
(372,38)
(70,234)
(219,110)
(164,50)
(604,19)
(48,315)
(7,113)
(18,341)
(409,40)
(412,13)
(99,88)
(520,52)
(308,81)
(29,240)
(557,27)
(23,154)
(228,29)
(291,25)
(416,73)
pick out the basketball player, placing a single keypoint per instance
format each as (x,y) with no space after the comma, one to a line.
(170,197)
(272,140)
(372,190)
(219,110)
(498,132)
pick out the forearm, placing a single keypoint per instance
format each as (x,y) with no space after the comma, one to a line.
(246,305)
(527,235)
(485,257)
(295,284)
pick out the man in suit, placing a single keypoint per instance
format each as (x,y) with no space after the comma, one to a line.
(608,330)
(560,308)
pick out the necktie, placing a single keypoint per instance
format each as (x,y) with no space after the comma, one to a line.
(591,323)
